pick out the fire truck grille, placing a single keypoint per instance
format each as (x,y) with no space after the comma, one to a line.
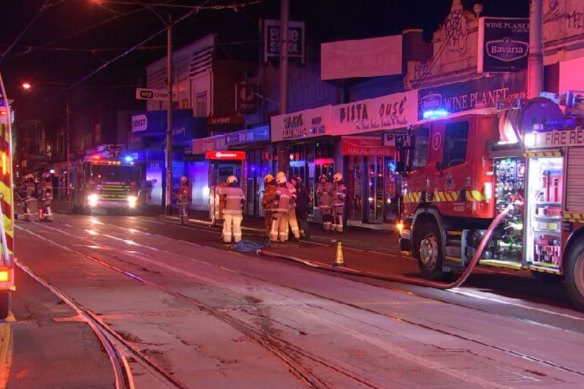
(115,192)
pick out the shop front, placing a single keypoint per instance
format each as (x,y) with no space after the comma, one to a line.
(306,149)
(245,154)
(369,160)
(373,186)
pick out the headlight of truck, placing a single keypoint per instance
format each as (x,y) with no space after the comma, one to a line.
(132,200)
(92,199)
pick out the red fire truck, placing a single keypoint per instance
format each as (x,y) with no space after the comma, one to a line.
(105,179)
(7,285)
(460,172)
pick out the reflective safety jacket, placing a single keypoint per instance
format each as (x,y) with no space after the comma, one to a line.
(234,199)
(282,200)
(269,196)
(340,195)
(324,194)
(184,194)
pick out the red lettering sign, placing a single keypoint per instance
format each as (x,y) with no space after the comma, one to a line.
(225,155)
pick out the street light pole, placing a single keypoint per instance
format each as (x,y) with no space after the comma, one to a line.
(168,192)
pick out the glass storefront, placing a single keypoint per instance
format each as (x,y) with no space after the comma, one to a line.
(373,188)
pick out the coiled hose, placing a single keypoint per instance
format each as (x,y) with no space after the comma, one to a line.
(246,246)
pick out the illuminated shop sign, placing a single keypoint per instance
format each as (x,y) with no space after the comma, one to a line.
(225,155)
(484,92)
(503,44)
(304,124)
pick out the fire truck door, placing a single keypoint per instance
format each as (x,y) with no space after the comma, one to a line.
(453,169)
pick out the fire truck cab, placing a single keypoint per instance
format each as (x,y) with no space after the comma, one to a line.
(105,179)
(462,171)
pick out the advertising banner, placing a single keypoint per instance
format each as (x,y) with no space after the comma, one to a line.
(302,124)
(503,44)
(365,145)
(272,40)
(361,58)
(480,93)
(388,112)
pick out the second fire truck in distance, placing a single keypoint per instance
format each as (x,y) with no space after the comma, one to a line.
(105,180)
(461,172)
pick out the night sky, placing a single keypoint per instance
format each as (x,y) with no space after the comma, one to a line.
(67,41)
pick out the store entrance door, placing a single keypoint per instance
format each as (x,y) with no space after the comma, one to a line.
(376,196)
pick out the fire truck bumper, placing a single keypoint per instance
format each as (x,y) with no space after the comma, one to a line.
(405,242)
(113,204)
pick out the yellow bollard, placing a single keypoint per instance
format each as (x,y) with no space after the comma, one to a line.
(339,260)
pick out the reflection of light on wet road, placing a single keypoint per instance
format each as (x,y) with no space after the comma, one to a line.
(92,232)
(130,242)
(95,221)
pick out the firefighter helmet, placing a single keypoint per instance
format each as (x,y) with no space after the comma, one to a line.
(281,177)
(297,179)
(268,178)
(183,179)
(338,177)
(231,180)
(320,178)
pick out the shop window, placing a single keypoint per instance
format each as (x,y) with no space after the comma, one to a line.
(201,104)
(455,142)
(421,148)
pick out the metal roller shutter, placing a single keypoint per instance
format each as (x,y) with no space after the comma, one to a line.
(575,180)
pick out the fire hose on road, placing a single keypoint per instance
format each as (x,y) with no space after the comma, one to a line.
(403,279)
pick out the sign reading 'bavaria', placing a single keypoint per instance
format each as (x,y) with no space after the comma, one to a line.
(503,44)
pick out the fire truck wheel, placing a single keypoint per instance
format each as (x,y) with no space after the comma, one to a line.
(429,253)
(574,275)
(4,305)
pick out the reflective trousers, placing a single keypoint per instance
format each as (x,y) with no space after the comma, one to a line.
(337,224)
(232,227)
(279,227)
(293,223)
(268,221)
(183,212)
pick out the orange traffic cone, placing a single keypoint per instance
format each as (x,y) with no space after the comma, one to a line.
(339,260)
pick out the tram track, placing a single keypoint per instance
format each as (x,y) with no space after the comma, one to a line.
(281,347)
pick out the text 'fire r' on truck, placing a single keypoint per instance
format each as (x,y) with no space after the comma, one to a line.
(524,158)
(105,179)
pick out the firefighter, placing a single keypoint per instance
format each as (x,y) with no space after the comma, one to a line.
(292,220)
(338,202)
(184,200)
(45,209)
(233,210)
(268,197)
(30,199)
(302,203)
(324,195)
(280,209)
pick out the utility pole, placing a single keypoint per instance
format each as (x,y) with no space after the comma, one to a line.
(283,154)
(168,190)
(68,145)
(535,58)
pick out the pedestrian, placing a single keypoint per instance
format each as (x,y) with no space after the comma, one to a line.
(292,221)
(46,195)
(338,202)
(184,198)
(234,199)
(30,199)
(269,194)
(324,195)
(280,209)
(148,191)
(302,203)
